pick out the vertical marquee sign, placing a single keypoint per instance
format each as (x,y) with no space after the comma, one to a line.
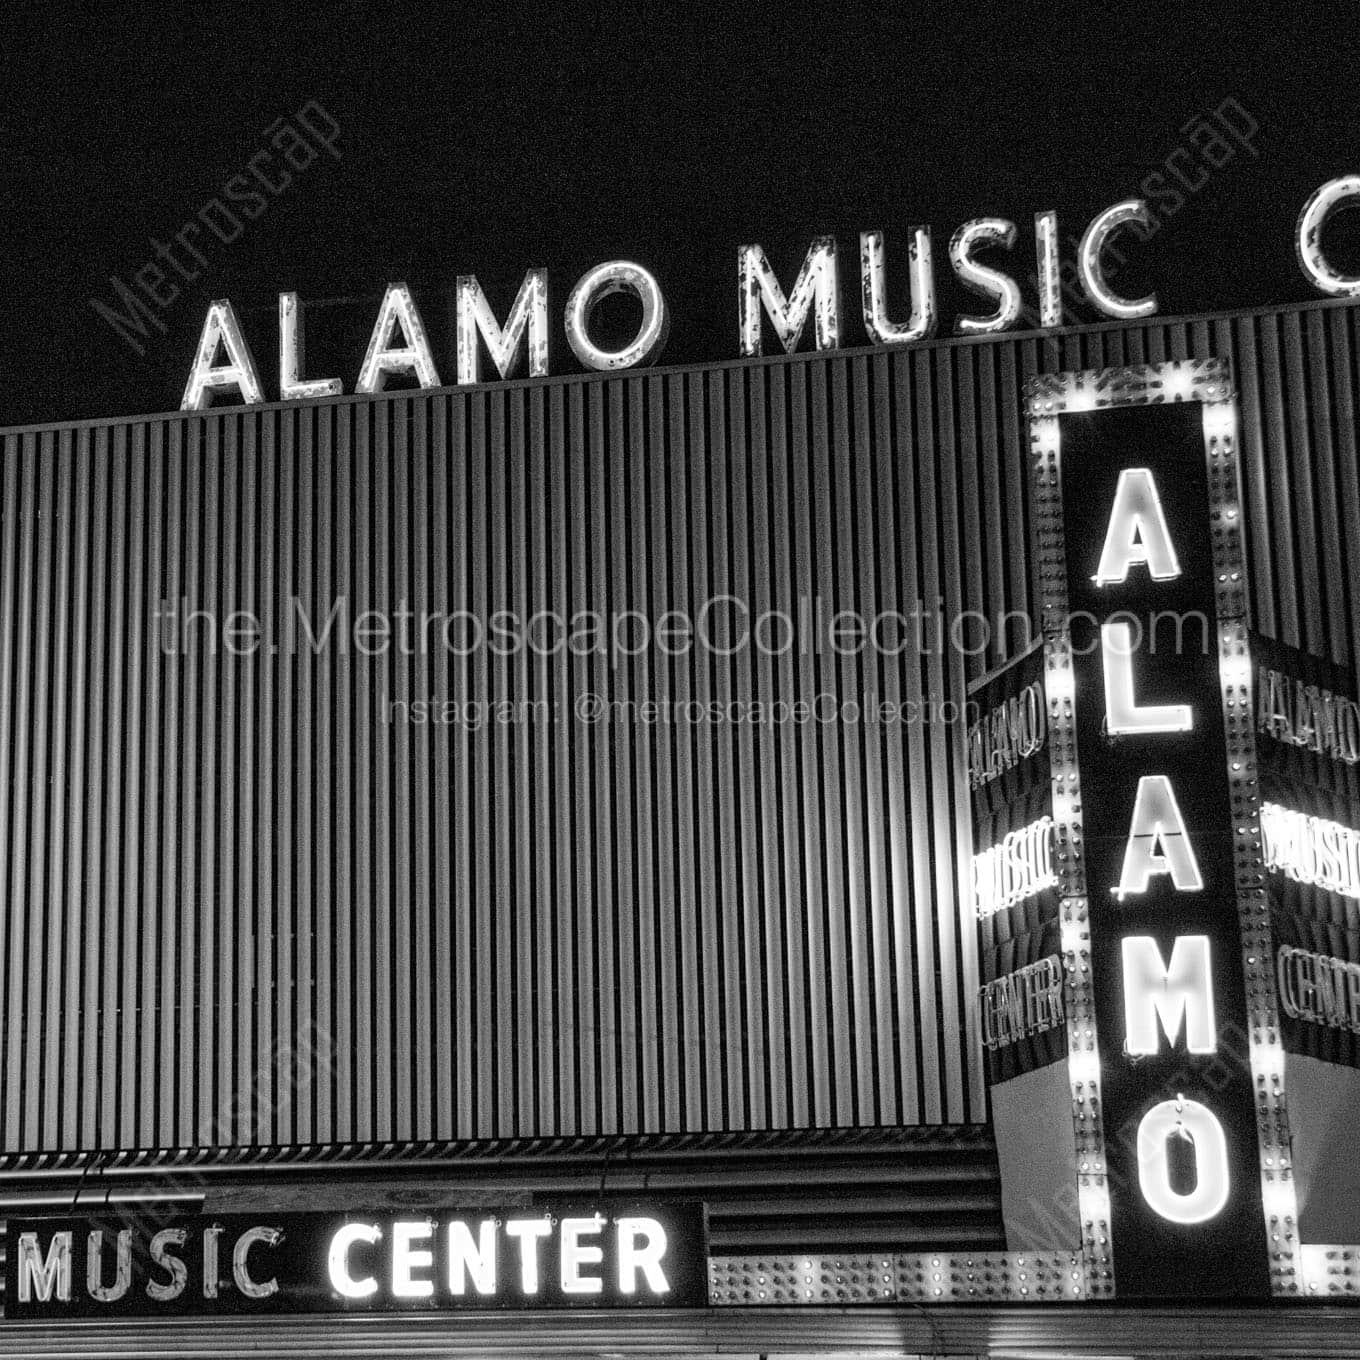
(1184,1181)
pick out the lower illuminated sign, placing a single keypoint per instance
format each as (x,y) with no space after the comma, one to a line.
(1311,849)
(1319,988)
(1140,514)
(1021,1004)
(563,1257)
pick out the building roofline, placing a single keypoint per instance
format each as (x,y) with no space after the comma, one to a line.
(718,365)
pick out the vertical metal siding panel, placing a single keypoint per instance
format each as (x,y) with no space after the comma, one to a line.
(1259,549)
(105,783)
(444,901)
(363,497)
(827,523)
(564,932)
(859,685)
(481,947)
(1012,459)
(16,593)
(499,843)
(1155,339)
(397,845)
(378,775)
(729,814)
(91,448)
(10,788)
(231,676)
(873,831)
(640,462)
(1346,649)
(207,700)
(1283,533)
(540,480)
(690,1074)
(1301,473)
(527,775)
(344,1045)
(171,762)
(136,1006)
(36,720)
(52,677)
(261,1126)
(748,1038)
(811,843)
(199,873)
(269,800)
(980,560)
(614,777)
(784,548)
(621,1110)
(706,887)
(936,814)
(585,1118)
(844,779)
(762,550)
(238,882)
(321,1049)
(1330,572)
(604,997)
(898,1066)
(306,733)
(462,903)
(148,602)
(915,517)
(75,446)
(955,1019)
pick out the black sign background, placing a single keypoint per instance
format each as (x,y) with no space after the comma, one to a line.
(1153,1257)
(299,1263)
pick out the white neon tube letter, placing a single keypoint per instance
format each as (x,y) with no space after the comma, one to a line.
(1093,273)
(1158,841)
(982,279)
(383,358)
(1123,716)
(874,284)
(468,1258)
(641,1246)
(1049,275)
(337,1260)
(406,1259)
(293,356)
(528,320)
(1180,990)
(220,327)
(1186,1119)
(1137,532)
(615,276)
(529,1231)
(576,1254)
(816,291)
(1308,237)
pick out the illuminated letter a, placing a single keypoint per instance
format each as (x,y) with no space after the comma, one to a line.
(1137,532)
(1158,841)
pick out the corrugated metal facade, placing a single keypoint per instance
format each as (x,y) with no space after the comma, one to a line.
(242,907)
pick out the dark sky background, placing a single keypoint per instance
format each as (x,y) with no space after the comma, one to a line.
(486,140)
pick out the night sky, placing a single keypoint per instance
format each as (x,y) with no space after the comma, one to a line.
(553,137)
